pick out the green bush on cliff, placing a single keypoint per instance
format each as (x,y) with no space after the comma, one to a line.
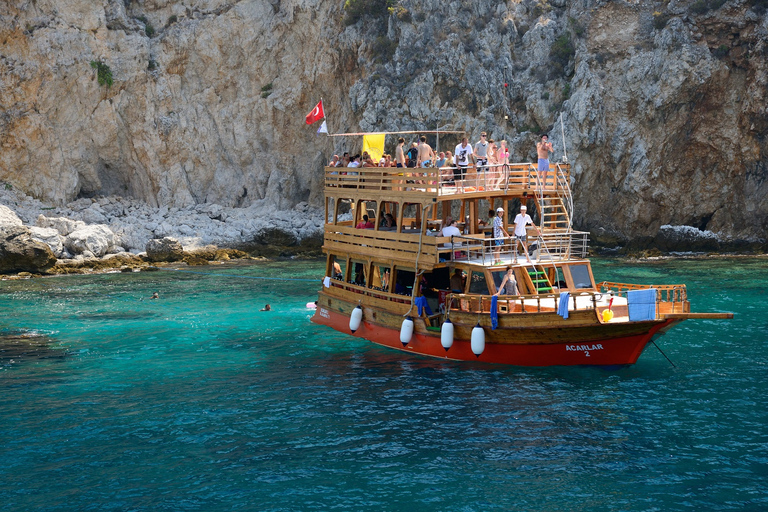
(355,10)
(561,52)
(103,73)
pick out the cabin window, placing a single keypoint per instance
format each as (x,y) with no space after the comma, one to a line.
(338,265)
(557,278)
(411,217)
(344,211)
(581,277)
(380,279)
(359,273)
(388,216)
(477,283)
(366,209)
(404,281)
(498,277)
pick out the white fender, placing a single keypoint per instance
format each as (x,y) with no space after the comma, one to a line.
(406,331)
(355,318)
(446,334)
(478,340)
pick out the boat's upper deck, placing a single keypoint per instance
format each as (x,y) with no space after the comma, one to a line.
(396,214)
(424,183)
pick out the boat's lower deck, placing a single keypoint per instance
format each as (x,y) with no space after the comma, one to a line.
(536,339)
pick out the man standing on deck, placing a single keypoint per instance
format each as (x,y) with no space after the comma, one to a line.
(425,153)
(543,149)
(481,154)
(399,153)
(463,152)
(521,235)
(498,235)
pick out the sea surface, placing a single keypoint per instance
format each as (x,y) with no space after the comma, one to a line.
(197,401)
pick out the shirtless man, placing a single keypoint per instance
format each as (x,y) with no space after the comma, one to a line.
(399,153)
(543,149)
(425,153)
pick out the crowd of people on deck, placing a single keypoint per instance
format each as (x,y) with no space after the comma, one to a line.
(486,156)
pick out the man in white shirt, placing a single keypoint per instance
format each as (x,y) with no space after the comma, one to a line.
(521,221)
(463,152)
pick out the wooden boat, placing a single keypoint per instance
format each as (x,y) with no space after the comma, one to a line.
(392,284)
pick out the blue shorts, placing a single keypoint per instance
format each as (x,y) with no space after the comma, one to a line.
(543,164)
(499,242)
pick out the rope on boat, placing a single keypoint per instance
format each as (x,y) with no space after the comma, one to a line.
(662,353)
(417,274)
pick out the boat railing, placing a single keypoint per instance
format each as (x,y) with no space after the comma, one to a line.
(669,299)
(488,251)
(674,293)
(504,178)
(376,293)
(514,304)
(563,178)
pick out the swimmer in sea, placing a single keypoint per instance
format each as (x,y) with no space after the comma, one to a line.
(266,308)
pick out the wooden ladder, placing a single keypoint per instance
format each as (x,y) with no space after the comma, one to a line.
(553,214)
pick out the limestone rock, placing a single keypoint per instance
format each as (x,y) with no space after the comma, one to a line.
(19,252)
(49,236)
(164,249)
(95,239)
(62,225)
(8,217)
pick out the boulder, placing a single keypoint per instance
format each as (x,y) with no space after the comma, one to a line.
(8,217)
(97,239)
(61,224)
(164,249)
(19,252)
(49,236)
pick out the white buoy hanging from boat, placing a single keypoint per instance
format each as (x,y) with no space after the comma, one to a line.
(446,334)
(406,331)
(478,340)
(355,318)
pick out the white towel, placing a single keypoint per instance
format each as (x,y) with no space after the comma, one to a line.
(327,282)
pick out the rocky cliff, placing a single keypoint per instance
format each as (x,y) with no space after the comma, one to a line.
(177,103)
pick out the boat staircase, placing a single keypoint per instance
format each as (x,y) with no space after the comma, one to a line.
(539,280)
(554,202)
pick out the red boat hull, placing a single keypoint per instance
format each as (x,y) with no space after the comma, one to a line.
(605,351)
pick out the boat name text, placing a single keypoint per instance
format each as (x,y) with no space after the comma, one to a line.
(583,348)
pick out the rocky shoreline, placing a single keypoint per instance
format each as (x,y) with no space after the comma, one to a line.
(104,233)
(115,232)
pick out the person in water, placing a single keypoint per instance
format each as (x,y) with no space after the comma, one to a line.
(266,308)
(155,296)
(508,285)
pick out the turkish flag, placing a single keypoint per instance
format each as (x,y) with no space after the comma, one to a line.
(316,114)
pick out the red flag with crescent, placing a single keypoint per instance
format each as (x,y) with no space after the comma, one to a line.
(316,114)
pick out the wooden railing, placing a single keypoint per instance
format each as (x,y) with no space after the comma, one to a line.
(675,293)
(507,178)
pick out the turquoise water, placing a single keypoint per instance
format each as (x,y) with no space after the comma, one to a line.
(197,401)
